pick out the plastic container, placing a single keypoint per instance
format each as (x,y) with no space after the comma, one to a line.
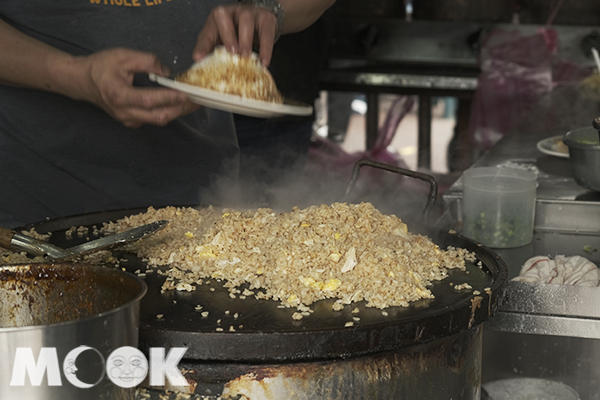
(499,206)
(529,389)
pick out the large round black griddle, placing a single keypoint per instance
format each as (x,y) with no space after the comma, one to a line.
(259,330)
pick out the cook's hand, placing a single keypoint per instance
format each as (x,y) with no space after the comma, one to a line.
(236,27)
(108,83)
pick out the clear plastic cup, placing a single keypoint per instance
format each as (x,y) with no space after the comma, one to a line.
(499,206)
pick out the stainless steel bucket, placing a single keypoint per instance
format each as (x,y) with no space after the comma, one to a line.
(47,312)
(584,155)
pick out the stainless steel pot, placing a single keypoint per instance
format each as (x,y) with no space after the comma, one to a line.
(49,310)
(584,155)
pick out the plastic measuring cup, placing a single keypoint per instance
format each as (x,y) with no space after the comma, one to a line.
(499,206)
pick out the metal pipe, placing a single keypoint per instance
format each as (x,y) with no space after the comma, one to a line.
(424,146)
(372,120)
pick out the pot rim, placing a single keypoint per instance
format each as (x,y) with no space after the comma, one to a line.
(143,288)
(570,141)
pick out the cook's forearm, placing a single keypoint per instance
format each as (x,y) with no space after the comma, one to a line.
(300,14)
(30,63)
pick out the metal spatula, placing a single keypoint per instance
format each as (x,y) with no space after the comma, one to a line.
(19,242)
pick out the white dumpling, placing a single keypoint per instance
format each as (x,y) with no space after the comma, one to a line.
(575,271)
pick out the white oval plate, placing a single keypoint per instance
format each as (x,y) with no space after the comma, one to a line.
(553,146)
(233,103)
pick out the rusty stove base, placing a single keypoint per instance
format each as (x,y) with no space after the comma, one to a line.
(446,368)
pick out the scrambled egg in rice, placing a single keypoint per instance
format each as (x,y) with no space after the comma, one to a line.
(348,252)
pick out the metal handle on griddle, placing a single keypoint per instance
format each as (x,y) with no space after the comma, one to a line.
(18,242)
(433,186)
